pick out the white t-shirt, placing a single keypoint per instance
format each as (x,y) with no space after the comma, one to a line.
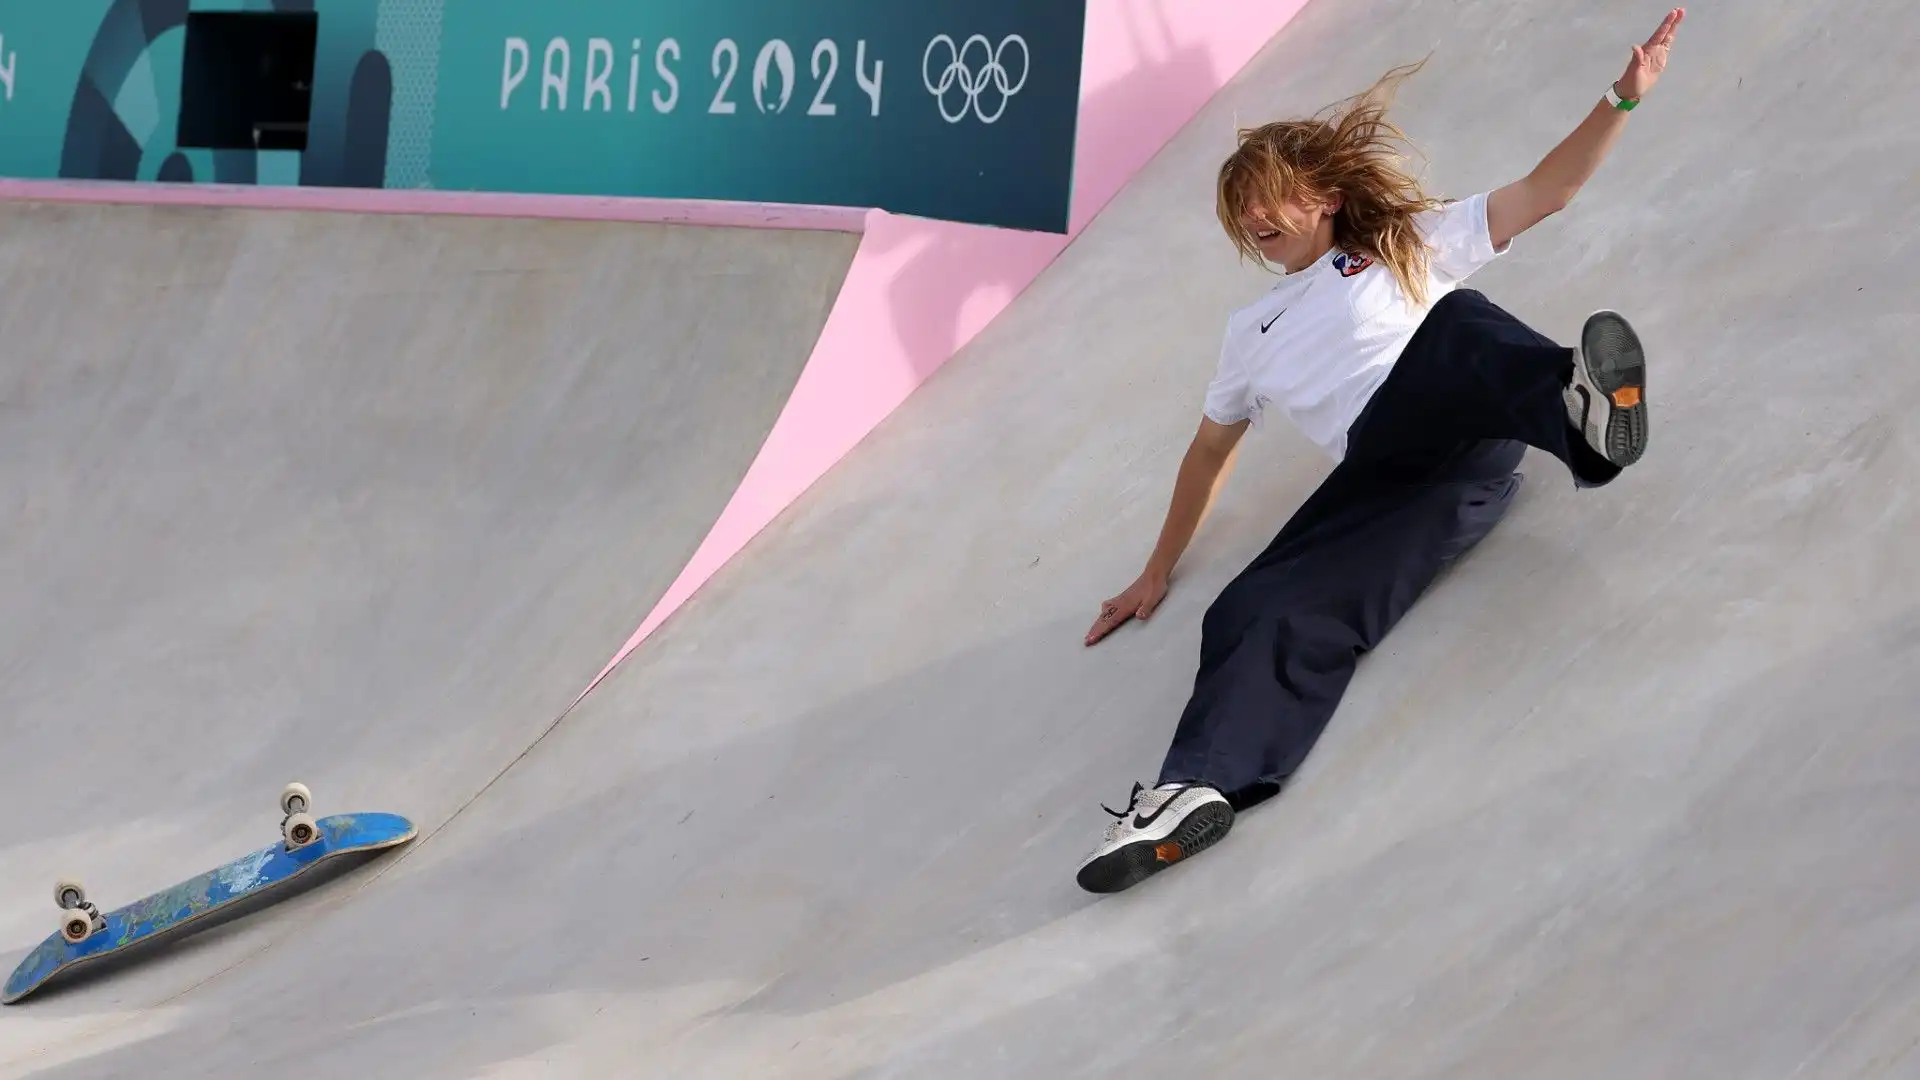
(1320,342)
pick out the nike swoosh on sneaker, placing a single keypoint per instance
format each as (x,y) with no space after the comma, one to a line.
(1147,821)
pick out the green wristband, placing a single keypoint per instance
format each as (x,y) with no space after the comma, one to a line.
(1623,104)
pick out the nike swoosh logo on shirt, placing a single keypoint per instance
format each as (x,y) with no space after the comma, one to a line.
(1270,322)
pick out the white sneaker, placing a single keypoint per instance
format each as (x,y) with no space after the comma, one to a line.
(1607,398)
(1160,826)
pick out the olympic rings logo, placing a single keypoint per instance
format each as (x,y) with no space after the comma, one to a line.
(973,82)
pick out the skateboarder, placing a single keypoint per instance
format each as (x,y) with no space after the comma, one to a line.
(1425,394)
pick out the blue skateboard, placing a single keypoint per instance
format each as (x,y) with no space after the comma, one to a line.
(86,935)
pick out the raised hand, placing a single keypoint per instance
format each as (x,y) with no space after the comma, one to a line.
(1650,59)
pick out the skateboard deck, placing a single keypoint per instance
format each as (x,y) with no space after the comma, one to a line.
(177,909)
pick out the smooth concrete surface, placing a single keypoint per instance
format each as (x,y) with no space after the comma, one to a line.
(357,501)
(1630,794)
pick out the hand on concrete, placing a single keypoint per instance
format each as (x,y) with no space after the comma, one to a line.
(1650,59)
(1137,601)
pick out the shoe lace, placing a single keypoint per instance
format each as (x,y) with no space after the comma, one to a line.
(1133,802)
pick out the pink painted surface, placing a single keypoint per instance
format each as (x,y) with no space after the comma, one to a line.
(919,290)
(462,203)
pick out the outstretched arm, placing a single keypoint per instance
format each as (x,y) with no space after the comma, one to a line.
(1519,206)
(1203,471)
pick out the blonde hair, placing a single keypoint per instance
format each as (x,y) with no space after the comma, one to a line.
(1349,149)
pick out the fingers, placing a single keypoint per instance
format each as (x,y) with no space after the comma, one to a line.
(1138,602)
(1663,34)
(1110,617)
(1113,613)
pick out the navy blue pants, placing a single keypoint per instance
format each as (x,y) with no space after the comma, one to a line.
(1429,471)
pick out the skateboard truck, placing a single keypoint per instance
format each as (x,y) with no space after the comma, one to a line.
(297,827)
(82,918)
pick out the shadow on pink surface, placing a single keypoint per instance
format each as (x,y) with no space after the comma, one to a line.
(918,291)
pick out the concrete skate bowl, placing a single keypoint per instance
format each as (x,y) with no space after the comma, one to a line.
(1629,794)
(362,501)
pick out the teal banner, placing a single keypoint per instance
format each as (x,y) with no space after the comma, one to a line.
(963,110)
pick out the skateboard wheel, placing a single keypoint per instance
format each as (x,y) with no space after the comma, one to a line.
(68,894)
(76,927)
(295,798)
(300,830)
